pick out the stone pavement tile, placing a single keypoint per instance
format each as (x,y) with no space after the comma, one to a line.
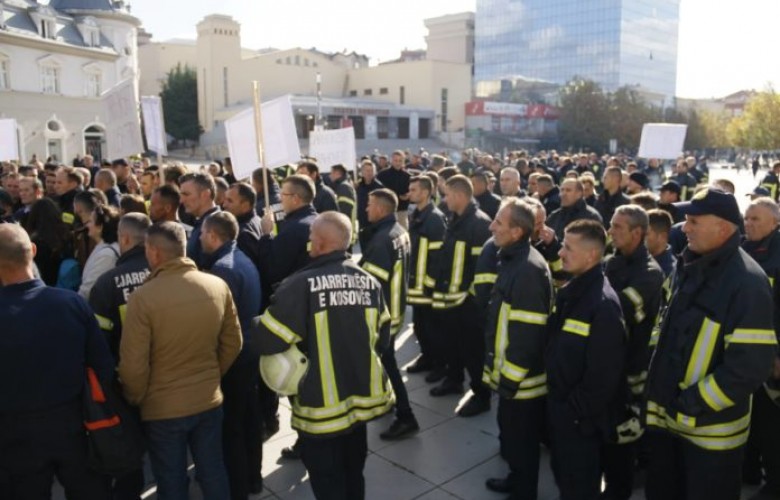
(437,494)
(387,481)
(425,417)
(444,406)
(443,452)
(283,477)
(484,422)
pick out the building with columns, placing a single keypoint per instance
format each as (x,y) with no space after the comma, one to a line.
(55,62)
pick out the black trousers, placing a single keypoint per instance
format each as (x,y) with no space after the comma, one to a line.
(423,320)
(619,461)
(460,332)
(680,470)
(402,407)
(34,448)
(241,442)
(520,424)
(766,431)
(335,464)
(576,453)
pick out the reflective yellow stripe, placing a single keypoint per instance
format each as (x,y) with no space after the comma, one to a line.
(344,199)
(723,436)
(485,278)
(278,328)
(429,282)
(376,271)
(308,246)
(636,299)
(686,420)
(702,352)
(330,392)
(396,316)
(435,245)
(458,261)
(556,265)
(419,300)
(339,424)
(771,282)
(384,317)
(372,320)
(530,317)
(475,251)
(576,327)
(122,313)
(422,263)
(637,383)
(751,336)
(512,371)
(713,395)
(772,188)
(68,218)
(104,323)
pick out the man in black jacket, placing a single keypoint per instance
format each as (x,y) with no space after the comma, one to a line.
(367,184)
(637,279)
(716,347)
(345,194)
(487,201)
(324,197)
(240,201)
(613,196)
(585,361)
(549,193)
(386,257)
(517,314)
(396,179)
(573,208)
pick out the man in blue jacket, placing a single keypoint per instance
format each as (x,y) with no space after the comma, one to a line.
(49,338)
(241,440)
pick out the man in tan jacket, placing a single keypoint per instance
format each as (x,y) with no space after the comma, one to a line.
(180,336)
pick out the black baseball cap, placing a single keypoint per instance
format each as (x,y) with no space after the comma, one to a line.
(671,186)
(640,178)
(712,201)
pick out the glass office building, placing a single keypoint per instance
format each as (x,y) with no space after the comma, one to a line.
(613,42)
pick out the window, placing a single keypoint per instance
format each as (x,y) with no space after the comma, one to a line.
(5,76)
(368,92)
(402,95)
(225,84)
(353,93)
(50,79)
(297,60)
(93,84)
(287,59)
(383,91)
(444,110)
(306,61)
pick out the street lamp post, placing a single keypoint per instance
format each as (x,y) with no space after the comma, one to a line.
(318,124)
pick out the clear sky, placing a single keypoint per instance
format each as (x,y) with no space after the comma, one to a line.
(725,45)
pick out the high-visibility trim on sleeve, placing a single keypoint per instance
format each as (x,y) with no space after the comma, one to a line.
(429,282)
(458,263)
(68,218)
(422,264)
(104,323)
(376,271)
(530,317)
(475,251)
(435,245)
(484,278)
(636,299)
(512,371)
(278,328)
(344,199)
(576,327)
(752,336)
(556,265)
(713,395)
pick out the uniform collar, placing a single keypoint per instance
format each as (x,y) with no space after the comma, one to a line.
(134,252)
(178,265)
(337,256)
(512,251)
(579,284)
(300,213)
(708,265)
(246,217)
(211,259)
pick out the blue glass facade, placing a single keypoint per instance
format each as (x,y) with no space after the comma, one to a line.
(614,42)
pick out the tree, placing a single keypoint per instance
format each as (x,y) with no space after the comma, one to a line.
(584,118)
(759,126)
(180,104)
(628,113)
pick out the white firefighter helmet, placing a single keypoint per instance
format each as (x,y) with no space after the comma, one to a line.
(283,372)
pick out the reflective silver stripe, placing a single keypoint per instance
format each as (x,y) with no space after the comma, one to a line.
(422,264)
(278,328)
(636,299)
(330,393)
(352,416)
(576,327)
(702,352)
(752,336)
(435,245)
(458,262)
(372,321)
(475,251)
(396,316)
(485,278)
(713,395)
(376,271)
(530,317)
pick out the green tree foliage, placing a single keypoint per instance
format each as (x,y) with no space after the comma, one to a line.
(759,126)
(180,104)
(584,119)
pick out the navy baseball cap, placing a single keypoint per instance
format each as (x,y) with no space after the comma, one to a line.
(671,186)
(712,201)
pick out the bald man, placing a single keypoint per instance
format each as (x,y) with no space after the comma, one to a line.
(49,336)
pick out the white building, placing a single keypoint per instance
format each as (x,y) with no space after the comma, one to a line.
(55,61)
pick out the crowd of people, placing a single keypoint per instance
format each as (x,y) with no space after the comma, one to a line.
(622,317)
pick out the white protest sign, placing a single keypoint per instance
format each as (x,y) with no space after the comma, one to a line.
(280,138)
(662,140)
(154,124)
(123,127)
(9,141)
(333,147)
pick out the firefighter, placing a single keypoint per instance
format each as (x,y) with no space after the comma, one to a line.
(345,194)
(458,328)
(771,181)
(426,233)
(637,279)
(334,312)
(584,362)
(386,257)
(515,335)
(716,347)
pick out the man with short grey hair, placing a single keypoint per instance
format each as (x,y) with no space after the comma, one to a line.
(105,181)
(180,336)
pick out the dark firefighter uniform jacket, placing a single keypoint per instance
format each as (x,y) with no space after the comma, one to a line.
(485,274)
(772,184)
(460,250)
(324,198)
(426,234)
(767,253)
(515,332)
(562,217)
(386,257)
(347,201)
(585,353)
(108,297)
(550,254)
(334,312)
(287,251)
(716,347)
(638,280)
